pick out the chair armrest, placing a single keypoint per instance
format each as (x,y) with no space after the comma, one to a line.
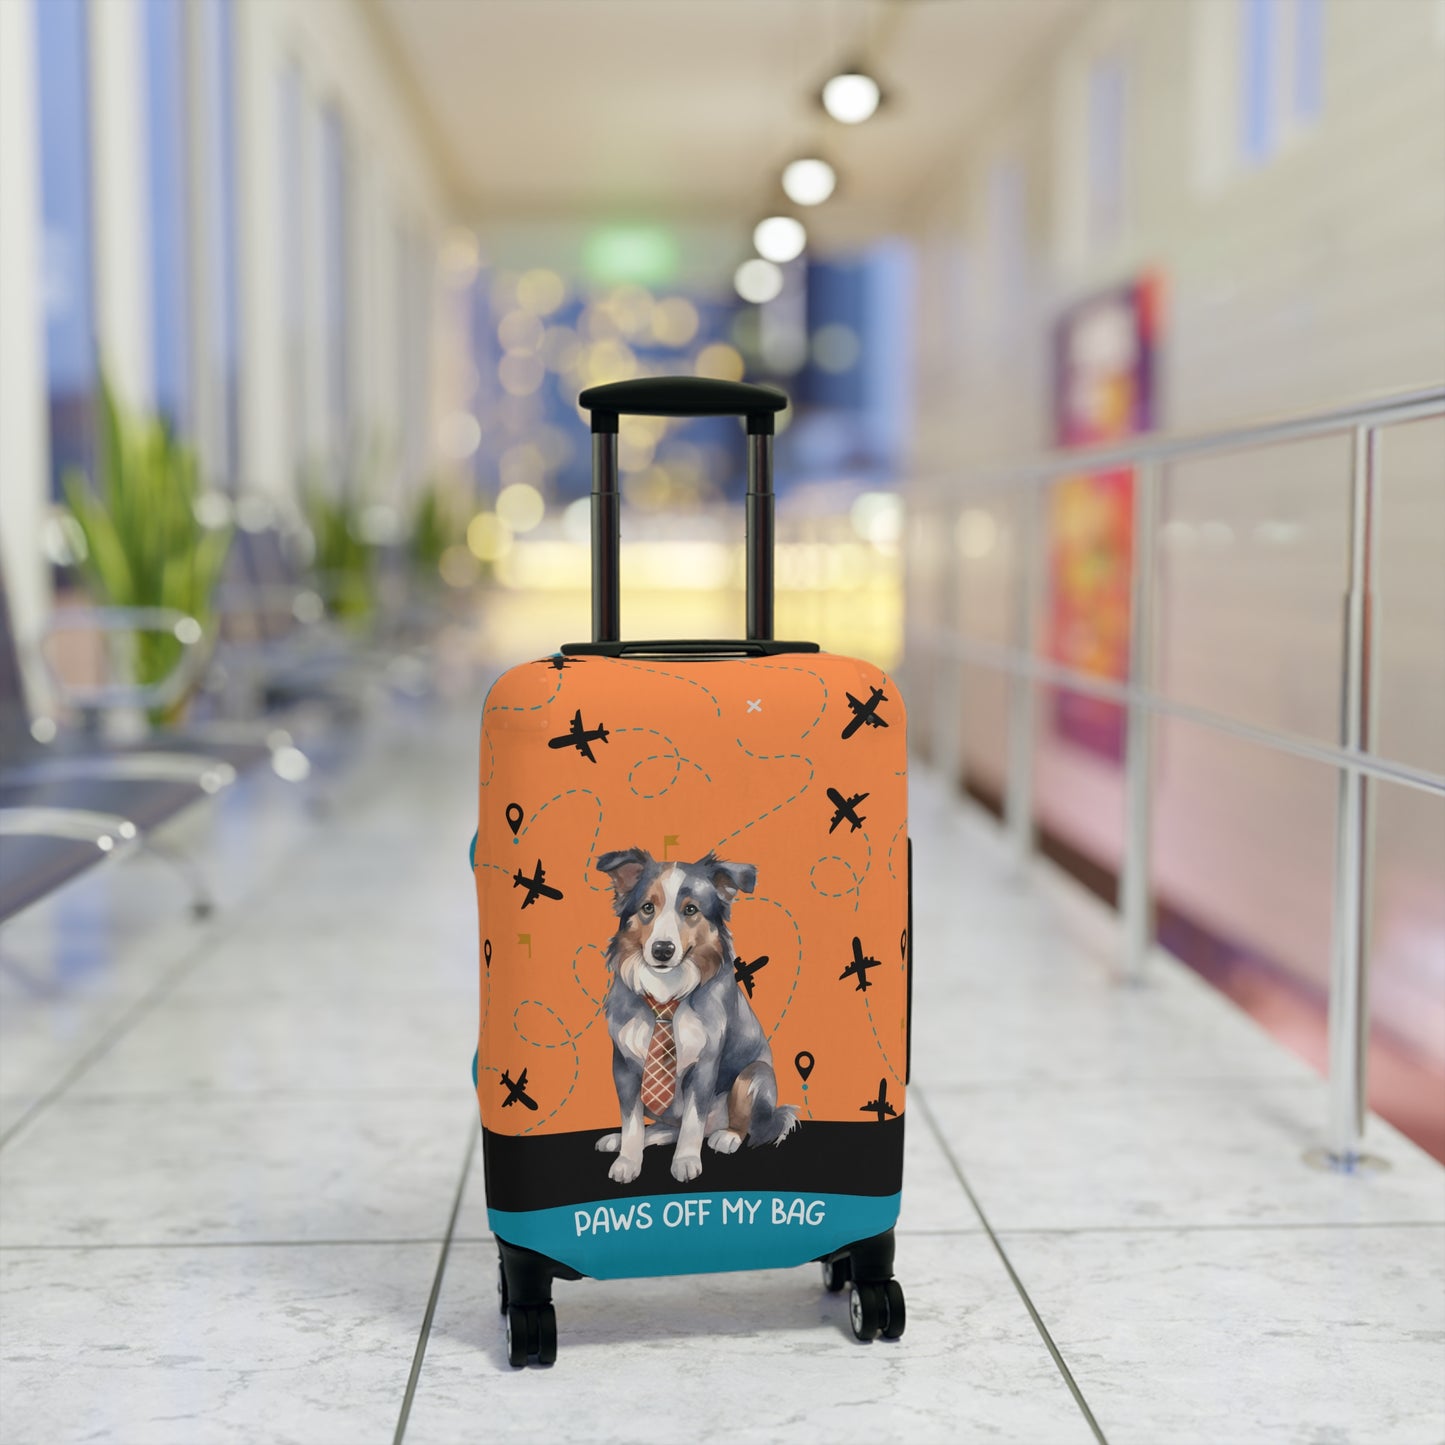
(245,599)
(110,697)
(210,775)
(105,830)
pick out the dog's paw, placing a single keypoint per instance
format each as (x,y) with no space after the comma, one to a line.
(625,1170)
(684,1167)
(724,1141)
(609,1143)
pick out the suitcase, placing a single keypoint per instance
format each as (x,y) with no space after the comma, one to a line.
(692,868)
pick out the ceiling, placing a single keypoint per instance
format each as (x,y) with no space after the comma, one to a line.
(684,111)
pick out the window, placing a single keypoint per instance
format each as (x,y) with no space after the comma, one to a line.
(1106,121)
(1309,67)
(1257,61)
(220,359)
(168,160)
(293,260)
(67,285)
(1281,84)
(336,283)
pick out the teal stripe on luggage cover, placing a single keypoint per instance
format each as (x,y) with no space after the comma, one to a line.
(696,1233)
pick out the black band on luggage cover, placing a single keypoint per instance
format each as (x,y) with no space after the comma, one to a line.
(549,1171)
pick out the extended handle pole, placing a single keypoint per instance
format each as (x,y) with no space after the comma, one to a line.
(681,396)
(759,542)
(606,538)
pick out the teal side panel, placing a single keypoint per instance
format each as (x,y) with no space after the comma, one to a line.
(696,1233)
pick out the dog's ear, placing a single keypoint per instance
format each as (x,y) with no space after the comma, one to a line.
(730,879)
(624,868)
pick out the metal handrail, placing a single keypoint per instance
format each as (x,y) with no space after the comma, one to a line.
(1041,669)
(1352,756)
(1388,410)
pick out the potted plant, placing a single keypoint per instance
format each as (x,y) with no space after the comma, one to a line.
(148,539)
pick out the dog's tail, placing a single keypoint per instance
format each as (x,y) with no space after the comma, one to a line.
(769,1122)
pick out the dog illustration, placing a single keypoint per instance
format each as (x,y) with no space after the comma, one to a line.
(687,1049)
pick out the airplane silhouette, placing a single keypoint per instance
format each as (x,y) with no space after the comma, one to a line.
(517,1093)
(536,885)
(879,1106)
(846,809)
(859,967)
(865,712)
(743,972)
(559,662)
(580,737)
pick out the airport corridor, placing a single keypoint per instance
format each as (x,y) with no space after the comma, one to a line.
(244,1200)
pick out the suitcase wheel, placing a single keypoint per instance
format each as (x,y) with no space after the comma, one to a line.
(531,1335)
(516,1338)
(877,1309)
(897,1311)
(837,1274)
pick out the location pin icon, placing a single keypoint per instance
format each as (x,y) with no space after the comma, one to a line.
(514,817)
(903,943)
(487,951)
(804,1065)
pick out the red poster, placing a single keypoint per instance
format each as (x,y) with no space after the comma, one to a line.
(1104,391)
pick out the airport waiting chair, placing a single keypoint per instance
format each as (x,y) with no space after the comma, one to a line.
(69,800)
(278,652)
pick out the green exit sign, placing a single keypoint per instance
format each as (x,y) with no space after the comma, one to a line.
(643,255)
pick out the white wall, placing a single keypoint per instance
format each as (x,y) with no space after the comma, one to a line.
(1312,278)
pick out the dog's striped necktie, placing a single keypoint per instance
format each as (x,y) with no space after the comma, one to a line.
(659,1070)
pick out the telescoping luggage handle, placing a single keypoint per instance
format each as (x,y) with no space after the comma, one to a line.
(680,396)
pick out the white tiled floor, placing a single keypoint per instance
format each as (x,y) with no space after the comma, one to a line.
(232,1153)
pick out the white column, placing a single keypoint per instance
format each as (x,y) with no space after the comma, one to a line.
(316,439)
(121,188)
(265,463)
(24,432)
(207,419)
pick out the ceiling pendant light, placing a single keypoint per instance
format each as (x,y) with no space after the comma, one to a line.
(758,281)
(809,181)
(851,96)
(780,239)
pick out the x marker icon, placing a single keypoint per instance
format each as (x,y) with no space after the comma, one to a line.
(755,704)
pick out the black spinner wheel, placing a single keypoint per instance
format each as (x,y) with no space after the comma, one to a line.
(897,1310)
(837,1274)
(546,1335)
(867,1310)
(517,1331)
(502,1287)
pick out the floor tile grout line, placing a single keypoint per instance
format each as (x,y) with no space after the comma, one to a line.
(189,962)
(966,1232)
(1262,1227)
(117,1246)
(431,1305)
(1039,1325)
(110,1037)
(184,1244)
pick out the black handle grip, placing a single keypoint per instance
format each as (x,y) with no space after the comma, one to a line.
(682,396)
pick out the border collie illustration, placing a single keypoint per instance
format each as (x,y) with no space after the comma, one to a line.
(687,1049)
